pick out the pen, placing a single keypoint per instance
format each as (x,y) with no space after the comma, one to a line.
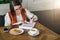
(32,17)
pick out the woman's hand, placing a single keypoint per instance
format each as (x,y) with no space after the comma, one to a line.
(32,20)
(25,22)
(18,23)
(15,25)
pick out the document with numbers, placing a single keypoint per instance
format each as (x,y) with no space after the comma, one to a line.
(28,25)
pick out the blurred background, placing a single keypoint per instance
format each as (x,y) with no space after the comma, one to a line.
(48,12)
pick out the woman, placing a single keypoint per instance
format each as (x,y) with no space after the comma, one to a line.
(17,14)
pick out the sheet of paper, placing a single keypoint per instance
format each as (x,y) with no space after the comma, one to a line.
(27,26)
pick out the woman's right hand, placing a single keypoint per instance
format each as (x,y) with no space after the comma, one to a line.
(18,23)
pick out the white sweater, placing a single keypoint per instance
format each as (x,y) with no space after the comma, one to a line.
(19,17)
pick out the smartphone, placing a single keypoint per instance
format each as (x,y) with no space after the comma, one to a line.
(5,29)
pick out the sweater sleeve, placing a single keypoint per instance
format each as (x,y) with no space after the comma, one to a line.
(31,15)
(7,20)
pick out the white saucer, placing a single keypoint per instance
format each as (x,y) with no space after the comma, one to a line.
(33,32)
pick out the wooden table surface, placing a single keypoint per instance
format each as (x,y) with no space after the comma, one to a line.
(45,34)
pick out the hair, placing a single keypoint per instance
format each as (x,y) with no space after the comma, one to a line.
(12,4)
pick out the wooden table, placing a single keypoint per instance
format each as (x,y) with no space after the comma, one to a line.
(45,34)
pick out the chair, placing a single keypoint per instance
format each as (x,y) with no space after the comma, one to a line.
(2,20)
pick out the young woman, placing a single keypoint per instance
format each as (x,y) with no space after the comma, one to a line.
(17,14)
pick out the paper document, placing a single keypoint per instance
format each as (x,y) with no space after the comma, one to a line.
(27,26)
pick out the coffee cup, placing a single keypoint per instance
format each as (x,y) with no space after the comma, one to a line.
(33,32)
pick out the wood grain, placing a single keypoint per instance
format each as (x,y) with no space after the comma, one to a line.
(45,34)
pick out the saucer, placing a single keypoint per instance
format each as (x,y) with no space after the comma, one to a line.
(33,32)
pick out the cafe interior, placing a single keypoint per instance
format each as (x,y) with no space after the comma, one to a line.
(48,23)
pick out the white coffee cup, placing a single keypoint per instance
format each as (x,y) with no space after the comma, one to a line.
(33,32)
